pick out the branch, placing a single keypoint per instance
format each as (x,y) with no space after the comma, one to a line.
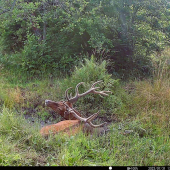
(6,10)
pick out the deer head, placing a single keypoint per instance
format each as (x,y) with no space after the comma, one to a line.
(72,127)
(60,107)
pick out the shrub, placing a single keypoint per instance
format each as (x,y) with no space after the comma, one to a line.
(89,72)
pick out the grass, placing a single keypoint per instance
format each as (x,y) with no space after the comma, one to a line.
(141,106)
(21,144)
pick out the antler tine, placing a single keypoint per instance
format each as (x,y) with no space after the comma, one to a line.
(101,92)
(92,117)
(87,120)
(66,93)
(75,98)
(96,83)
(96,126)
(91,90)
(74,113)
(76,89)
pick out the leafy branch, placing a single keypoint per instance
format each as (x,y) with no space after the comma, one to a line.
(7,10)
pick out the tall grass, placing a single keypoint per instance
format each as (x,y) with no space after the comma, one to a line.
(161,65)
(144,108)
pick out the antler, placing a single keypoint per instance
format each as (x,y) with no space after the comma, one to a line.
(86,120)
(91,90)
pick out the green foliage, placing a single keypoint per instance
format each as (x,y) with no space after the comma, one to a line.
(89,72)
(52,36)
(33,55)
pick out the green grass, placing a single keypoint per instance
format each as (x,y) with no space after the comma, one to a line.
(21,144)
(141,106)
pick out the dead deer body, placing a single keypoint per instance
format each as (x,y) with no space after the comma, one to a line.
(72,127)
(61,109)
(74,122)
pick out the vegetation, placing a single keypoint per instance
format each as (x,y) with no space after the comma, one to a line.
(59,34)
(143,109)
(48,46)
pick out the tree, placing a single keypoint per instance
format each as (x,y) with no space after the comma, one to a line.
(58,33)
(8,9)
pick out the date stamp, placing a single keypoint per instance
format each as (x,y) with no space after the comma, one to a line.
(157,168)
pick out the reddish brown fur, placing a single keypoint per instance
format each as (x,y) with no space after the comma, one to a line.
(70,127)
(60,108)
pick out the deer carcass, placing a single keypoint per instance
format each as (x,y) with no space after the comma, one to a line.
(74,122)
(72,127)
(61,109)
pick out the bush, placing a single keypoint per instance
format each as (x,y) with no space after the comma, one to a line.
(52,36)
(39,58)
(89,72)
(34,58)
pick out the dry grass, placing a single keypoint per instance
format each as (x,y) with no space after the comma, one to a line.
(151,105)
(153,95)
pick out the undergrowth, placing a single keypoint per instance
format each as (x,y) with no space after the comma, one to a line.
(29,97)
(21,144)
(140,106)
